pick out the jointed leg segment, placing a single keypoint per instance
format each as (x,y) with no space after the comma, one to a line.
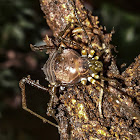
(50,111)
(41,48)
(24,105)
(79,21)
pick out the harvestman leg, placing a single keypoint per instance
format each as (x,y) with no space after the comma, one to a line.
(49,45)
(65,40)
(101,98)
(24,105)
(41,48)
(50,111)
(76,15)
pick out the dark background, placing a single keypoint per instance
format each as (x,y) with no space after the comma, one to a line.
(22,23)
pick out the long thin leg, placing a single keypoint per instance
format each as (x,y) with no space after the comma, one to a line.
(71,43)
(101,98)
(24,105)
(119,102)
(76,15)
(50,111)
(65,40)
(41,48)
(65,30)
(69,26)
